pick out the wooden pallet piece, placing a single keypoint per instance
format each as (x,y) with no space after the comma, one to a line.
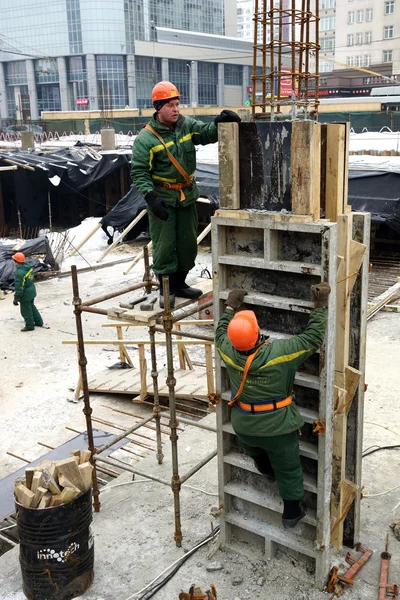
(266,255)
(228,151)
(306,161)
(335,170)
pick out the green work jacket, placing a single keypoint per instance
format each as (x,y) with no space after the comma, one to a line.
(270,376)
(150,162)
(25,290)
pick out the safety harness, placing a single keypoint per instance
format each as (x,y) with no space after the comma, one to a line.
(256,407)
(177,165)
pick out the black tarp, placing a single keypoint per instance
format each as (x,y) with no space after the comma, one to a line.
(38,245)
(377,192)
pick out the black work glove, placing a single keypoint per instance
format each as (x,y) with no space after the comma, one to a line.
(156,205)
(320,294)
(227,116)
(15,302)
(235,299)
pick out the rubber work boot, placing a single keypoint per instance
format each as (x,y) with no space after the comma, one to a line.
(172,279)
(28,329)
(264,466)
(183,290)
(293,512)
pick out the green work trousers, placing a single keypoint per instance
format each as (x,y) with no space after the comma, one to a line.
(174,240)
(284,456)
(30,314)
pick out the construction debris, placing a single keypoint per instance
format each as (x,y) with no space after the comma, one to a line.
(386,590)
(195,593)
(338,583)
(55,483)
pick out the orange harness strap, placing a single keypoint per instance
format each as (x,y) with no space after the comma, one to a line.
(245,373)
(176,164)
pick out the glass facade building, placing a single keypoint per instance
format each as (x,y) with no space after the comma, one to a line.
(96,55)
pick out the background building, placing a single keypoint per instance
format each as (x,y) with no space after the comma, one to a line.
(80,55)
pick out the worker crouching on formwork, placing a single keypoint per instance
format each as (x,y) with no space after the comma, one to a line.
(264,416)
(163,166)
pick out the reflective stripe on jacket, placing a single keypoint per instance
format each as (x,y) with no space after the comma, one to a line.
(150,163)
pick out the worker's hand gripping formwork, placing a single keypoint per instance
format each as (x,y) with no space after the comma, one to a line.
(268,238)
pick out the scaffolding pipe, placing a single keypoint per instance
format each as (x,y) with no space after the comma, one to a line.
(156,397)
(131,288)
(124,434)
(171,381)
(191,311)
(196,336)
(87,409)
(121,465)
(199,465)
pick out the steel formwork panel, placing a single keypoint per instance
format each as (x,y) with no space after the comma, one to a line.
(262,254)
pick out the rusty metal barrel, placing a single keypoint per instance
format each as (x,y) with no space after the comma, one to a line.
(56,549)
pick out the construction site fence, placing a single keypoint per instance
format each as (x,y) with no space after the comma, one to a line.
(54,129)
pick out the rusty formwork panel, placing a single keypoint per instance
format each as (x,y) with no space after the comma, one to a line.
(277,262)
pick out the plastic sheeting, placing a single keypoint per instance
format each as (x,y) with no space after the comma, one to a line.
(36,246)
(377,192)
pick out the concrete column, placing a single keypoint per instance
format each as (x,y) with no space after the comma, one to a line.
(221,85)
(194,83)
(33,101)
(165,69)
(245,83)
(3,94)
(108,139)
(131,72)
(63,82)
(27,140)
(92,81)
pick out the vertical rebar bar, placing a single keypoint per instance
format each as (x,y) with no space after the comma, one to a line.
(156,409)
(147,272)
(316,95)
(87,410)
(293,36)
(264,55)
(20,224)
(301,50)
(307,48)
(280,44)
(173,423)
(272,73)
(254,74)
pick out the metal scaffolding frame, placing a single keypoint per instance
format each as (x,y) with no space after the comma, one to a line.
(287,34)
(168,321)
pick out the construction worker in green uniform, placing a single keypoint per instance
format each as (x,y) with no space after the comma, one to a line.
(25,293)
(264,415)
(163,166)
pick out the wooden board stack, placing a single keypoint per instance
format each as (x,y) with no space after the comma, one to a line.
(54,483)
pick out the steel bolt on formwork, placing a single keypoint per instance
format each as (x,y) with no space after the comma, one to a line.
(289,59)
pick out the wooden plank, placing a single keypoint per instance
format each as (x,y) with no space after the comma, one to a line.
(70,469)
(357,252)
(391,294)
(267,215)
(342,294)
(36,481)
(228,152)
(349,491)
(23,495)
(86,474)
(45,501)
(346,165)
(39,493)
(335,185)
(50,483)
(317,171)
(85,456)
(29,473)
(305,171)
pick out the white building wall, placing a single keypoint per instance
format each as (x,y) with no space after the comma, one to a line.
(233,95)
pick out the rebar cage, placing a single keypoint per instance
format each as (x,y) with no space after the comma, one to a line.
(286,38)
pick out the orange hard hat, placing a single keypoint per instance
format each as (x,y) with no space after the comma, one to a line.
(19,257)
(243,330)
(164,90)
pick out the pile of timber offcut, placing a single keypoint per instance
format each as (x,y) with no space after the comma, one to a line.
(52,483)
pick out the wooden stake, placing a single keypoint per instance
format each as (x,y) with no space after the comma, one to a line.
(123,234)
